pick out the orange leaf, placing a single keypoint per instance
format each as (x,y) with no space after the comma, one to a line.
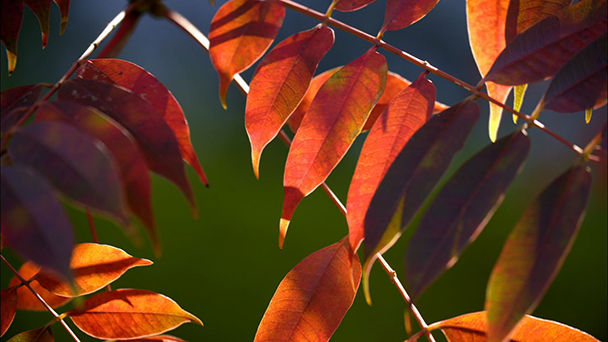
(129,313)
(8,308)
(94,266)
(473,327)
(279,84)
(312,299)
(241,31)
(27,301)
(44,334)
(333,121)
(158,338)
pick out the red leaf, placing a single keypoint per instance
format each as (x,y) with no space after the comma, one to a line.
(8,308)
(123,147)
(524,13)
(462,209)
(241,31)
(403,116)
(127,313)
(27,300)
(311,301)
(94,266)
(333,121)
(44,334)
(352,5)
(42,10)
(11,17)
(535,251)
(541,50)
(158,338)
(64,8)
(473,327)
(14,100)
(77,164)
(142,83)
(403,13)
(279,84)
(154,137)
(33,221)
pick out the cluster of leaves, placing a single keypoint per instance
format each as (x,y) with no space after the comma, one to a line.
(93,146)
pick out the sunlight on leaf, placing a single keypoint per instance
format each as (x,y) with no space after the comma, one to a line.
(403,13)
(524,13)
(27,300)
(518,99)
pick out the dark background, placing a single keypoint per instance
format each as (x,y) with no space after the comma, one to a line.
(225,266)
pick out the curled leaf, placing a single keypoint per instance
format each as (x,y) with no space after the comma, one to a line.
(27,300)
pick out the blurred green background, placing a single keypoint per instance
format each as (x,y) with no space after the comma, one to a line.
(225,266)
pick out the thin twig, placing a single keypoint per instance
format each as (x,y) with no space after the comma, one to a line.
(44,303)
(94,236)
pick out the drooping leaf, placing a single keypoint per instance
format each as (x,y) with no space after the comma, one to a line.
(535,251)
(64,8)
(412,176)
(129,313)
(312,299)
(27,300)
(33,221)
(8,308)
(351,5)
(158,338)
(94,266)
(333,121)
(473,327)
(581,83)
(524,13)
(403,13)
(144,84)
(279,84)
(42,10)
(130,161)
(44,334)
(403,116)
(154,137)
(539,51)
(11,17)
(241,31)
(77,164)
(13,102)
(486,20)
(462,209)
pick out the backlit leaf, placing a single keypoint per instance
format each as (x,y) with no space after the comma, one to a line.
(333,121)
(403,116)
(42,10)
(44,334)
(8,308)
(518,98)
(33,221)
(352,5)
(11,17)
(241,31)
(542,49)
(129,313)
(535,251)
(158,338)
(581,83)
(27,300)
(412,176)
(473,327)
(64,8)
(130,161)
(524,13)
(403,13)
(14,101)
(462,209)
(77,164)
(312,299)
(154,137)
(144,84)
(279,84)
(94,266)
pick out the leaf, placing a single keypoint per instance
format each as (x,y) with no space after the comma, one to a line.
(64,8)
(486,20)
(44,334)
(78,165)
(542,49)
(158,338)
(14,100)
(412,176)
(581,83)
(518,98)
(144,84)
(42,10)
(11,17)
(351,5)
(313,298)
(27,301)
(94,266)
(154,137)
(403,116)
(130,161)
(524,13)
(128,313)
(462,209)
(279,84)
(241,31)
(403,13)
(535,251)
(333,121)
(472,328)
(33,221)
(8,301)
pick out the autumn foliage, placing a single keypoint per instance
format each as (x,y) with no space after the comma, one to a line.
(92,138)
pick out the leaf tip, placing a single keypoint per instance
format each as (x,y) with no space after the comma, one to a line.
(588,113)
(64,25)
(45,39)
(494,124)
(255,161)
(284,224)
(12,61)
(367,265)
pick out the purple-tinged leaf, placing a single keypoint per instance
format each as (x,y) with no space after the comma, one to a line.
(535,251)
(42,10)
(352,5)
(403,13)
(14,101)
(524,13)
(33,221)
(462,209)
(11,17)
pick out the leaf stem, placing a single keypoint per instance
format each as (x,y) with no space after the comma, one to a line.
(44,303)
(94,235)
